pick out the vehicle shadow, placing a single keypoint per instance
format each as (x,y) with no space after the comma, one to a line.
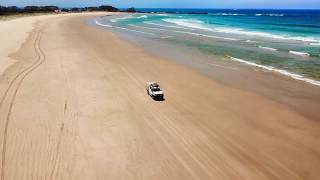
(159,99)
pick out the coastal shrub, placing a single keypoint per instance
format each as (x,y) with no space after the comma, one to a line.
(8,10)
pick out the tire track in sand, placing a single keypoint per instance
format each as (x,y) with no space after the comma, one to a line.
(11,93)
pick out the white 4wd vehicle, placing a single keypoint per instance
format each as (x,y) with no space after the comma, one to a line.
(154,90)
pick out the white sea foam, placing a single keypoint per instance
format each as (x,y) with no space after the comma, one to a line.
(284,72)
(186,32)
(163,15)
(228,14)
(143,16)
(314,44)
(264,34)
(299,53)
(100,24)
(106,25)
(192,23)
(267,48)
(197,24)
(251,41)
(168,26)
(121,18)
(279,15)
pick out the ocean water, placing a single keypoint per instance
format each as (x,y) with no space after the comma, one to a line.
(284,41)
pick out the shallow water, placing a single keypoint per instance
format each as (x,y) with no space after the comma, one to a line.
(288,41)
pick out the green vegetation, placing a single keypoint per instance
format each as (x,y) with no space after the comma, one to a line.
(14,10)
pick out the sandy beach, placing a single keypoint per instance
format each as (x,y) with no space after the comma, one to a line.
(73,106)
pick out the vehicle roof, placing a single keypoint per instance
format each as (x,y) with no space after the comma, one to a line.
(155,84)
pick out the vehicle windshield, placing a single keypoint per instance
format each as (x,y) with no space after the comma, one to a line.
(156,89)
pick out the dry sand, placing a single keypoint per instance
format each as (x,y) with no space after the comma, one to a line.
(74,107)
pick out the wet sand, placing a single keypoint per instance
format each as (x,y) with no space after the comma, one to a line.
(74,107)
(301,96)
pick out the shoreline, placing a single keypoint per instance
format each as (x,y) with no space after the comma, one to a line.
(294,76)
(301,96)
(283,72)
(85,107)
(299,74)
(290,53)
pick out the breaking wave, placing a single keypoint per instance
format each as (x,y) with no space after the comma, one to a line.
(267,48)
(191,23)
(228,14)
(197,24)
(281,71)
(143,16)
(121,18)
(272,15)
(297,53)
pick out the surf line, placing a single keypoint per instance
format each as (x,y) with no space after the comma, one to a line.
(105,25)
(185,32)
(280,71)
(267,48)
(297,53)
(168,26)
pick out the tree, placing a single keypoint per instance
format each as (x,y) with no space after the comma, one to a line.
(108,8)
(50,9)
(131,10)
(65,10)
(31,9)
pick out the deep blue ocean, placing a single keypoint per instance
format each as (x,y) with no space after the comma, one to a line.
(299,24)
(285,41)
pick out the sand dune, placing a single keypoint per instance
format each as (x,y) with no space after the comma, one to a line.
(74,107)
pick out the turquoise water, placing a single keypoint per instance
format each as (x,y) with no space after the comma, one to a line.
(285,40)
